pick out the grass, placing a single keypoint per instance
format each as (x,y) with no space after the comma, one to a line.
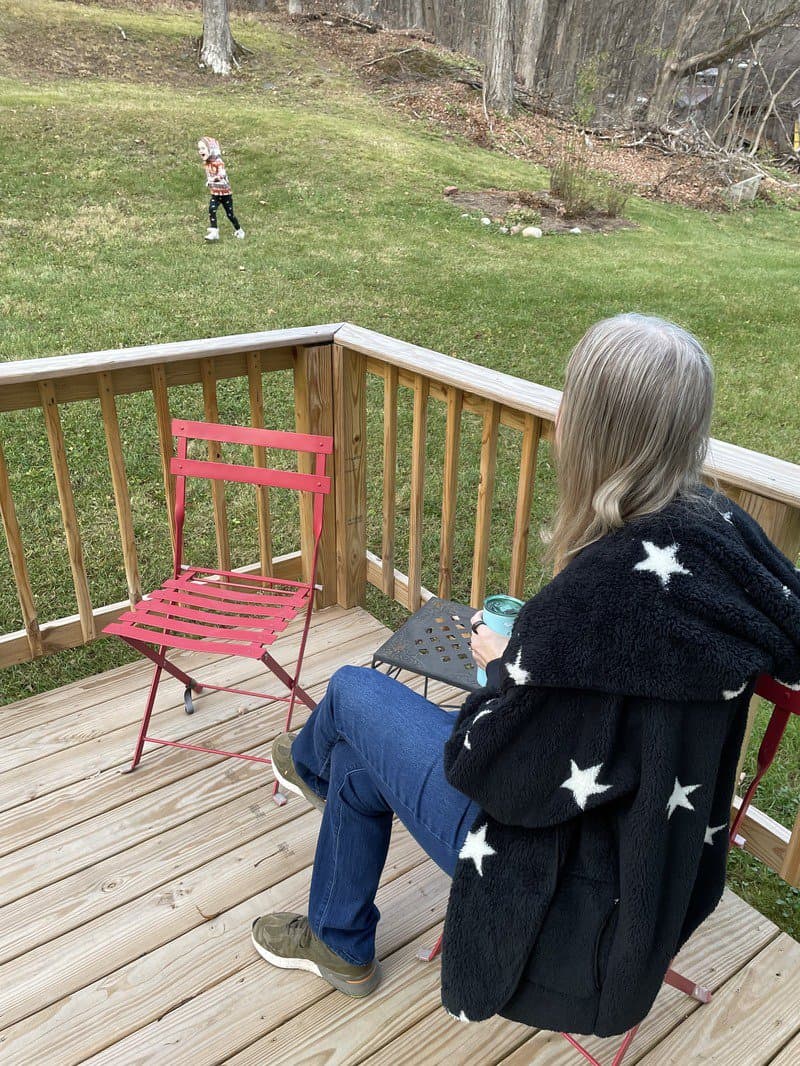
(101,247)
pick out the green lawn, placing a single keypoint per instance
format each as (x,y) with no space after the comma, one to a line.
(101,224)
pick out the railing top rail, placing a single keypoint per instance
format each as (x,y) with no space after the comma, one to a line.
(63,366)
(766,475)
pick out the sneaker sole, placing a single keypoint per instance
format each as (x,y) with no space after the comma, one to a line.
(289,786)
(357,989)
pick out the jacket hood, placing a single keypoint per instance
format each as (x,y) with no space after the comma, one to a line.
(212,145)
(709,600)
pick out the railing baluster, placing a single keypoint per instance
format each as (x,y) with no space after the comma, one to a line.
(19,566)
(350,474)
(119,481)
(389,477)
(418,440)
(455,404)
(522,519)
(58,452)
(483,520)
(211,408)
(256,390)
(158,378)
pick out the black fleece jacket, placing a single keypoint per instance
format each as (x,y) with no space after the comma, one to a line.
(603,756)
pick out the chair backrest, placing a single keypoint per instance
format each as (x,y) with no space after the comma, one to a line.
(182,467)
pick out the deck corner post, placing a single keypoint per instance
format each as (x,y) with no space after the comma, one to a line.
(313,408)
(350,474)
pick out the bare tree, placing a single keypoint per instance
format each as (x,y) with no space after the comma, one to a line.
(681,63)
(218,50)
(498,78)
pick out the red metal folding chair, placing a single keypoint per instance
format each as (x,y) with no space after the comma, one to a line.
(220,611)
(786,703)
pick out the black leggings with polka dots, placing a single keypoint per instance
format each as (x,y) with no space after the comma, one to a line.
(227,203)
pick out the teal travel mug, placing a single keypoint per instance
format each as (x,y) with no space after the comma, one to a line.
(499,614)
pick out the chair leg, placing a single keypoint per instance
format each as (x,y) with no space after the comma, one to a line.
(431,953)
(151,699)
(683,984)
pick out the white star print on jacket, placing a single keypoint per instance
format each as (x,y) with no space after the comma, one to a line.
(680,798)
(583,783)
(661,562)
(711,830)
(518,674)
(476,848)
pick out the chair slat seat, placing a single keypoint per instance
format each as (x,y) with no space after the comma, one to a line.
(208,605)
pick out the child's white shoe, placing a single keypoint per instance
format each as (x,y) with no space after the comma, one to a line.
(239,233)
(213,234)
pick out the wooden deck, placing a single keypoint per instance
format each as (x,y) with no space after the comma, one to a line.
(126,903)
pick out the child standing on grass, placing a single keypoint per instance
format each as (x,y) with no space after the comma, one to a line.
(217,181)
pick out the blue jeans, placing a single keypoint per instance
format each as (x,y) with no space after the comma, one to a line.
(373,747)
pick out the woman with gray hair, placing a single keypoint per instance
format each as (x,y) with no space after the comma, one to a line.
(580,800)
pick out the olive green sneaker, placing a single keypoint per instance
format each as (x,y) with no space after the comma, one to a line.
(286,940)
(286,774)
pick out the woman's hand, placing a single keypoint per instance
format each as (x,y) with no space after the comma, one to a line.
(486,644)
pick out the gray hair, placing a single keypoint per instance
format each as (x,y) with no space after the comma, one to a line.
(633,427)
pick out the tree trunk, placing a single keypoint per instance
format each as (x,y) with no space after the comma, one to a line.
(498,79)
(217,49)
(532,31)
(295,8)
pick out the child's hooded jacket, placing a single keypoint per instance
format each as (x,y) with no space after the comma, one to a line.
(603,756)
(216,174)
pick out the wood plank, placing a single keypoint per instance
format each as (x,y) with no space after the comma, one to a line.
(439,1039)
(764,837)
(166,449)
(229,1019)
(119,814)
(790,868)
(151,986)
(19,566)
(350,474)
(400,584)
(255,386)
(114,359)
(389,478)
(522,517)
(748,1021)
(58,452)
(313,398)
(790,1056)
(133,379)
(419,435)
(764,474)
(67,632)
(452,450)
(119,482)
(87,766)
(732,936)
(211,411)
(483,517)
(69,961)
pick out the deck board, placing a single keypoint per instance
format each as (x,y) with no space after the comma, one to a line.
(125,904)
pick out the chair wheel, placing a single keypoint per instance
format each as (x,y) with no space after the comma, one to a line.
(279,799)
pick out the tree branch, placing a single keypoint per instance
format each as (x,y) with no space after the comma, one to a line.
(734,45)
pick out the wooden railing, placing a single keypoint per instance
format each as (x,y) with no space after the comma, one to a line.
(335,368)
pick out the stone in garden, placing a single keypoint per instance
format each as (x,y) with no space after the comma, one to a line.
(486,221)
(531,231)
(575,229)
(466,214)
(504,229)
(518,228)
(450,189)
